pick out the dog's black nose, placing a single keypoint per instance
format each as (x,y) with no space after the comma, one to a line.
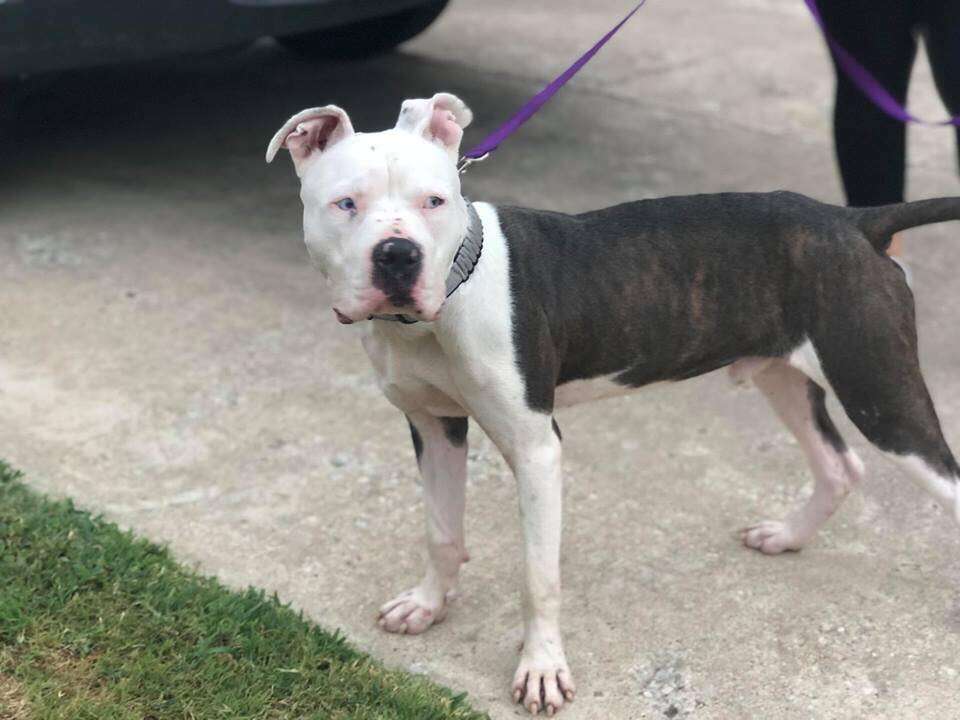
(396,266)
(397,256)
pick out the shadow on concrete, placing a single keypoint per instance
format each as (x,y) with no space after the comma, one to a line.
(201,123)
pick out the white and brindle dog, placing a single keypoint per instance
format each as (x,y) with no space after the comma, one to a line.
(503,314)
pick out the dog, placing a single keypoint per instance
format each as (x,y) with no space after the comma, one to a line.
(503,314)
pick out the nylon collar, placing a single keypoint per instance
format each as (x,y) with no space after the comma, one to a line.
(464,262)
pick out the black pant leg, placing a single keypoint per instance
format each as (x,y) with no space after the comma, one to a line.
(870,145)
(941,29)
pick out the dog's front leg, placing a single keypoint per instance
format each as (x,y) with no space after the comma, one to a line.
(542,680)
(441,447)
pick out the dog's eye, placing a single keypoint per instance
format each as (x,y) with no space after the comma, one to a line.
(347,204)
(433,202)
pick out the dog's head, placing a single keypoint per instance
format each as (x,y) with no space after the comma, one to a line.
(382,212)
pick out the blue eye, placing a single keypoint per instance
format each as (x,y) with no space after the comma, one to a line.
(433,202)
(347,204)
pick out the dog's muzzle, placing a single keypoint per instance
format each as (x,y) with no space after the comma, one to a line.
(397,263)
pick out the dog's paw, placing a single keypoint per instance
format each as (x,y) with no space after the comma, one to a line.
(771,537)
(542,684)
(412,612)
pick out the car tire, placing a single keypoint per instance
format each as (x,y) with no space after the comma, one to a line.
(365,38)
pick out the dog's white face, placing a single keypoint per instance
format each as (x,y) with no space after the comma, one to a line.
(382,212)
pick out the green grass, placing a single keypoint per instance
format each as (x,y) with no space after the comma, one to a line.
(97,624)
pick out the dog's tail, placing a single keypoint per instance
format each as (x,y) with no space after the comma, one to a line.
(881,222)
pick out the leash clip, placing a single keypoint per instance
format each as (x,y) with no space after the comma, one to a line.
(465,162)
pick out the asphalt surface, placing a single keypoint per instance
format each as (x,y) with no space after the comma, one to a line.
(168,357)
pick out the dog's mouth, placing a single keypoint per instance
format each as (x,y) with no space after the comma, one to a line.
(387,309)
(413,303)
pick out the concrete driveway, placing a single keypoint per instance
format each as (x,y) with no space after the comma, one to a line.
(168,357)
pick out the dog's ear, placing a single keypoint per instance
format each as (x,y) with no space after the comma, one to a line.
(310,132)
(440,119)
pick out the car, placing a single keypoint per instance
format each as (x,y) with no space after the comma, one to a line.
(38,36)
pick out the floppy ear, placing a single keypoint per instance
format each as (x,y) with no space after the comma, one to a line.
(440,119)
(309,132)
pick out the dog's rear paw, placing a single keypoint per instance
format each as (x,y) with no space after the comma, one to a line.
(541,684)
(412,612)
(771,537)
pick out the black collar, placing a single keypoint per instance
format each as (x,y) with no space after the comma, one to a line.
(464,262)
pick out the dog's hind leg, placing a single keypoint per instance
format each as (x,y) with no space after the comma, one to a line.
(800,404)
(441,448)
(873,367)
(892,407)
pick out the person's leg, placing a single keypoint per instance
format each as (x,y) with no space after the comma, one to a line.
(871,145)
(940,24)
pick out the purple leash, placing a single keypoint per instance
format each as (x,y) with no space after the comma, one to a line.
(868,84)
(858,74)
(493,140)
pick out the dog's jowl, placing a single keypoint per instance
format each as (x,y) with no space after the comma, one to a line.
(501,314)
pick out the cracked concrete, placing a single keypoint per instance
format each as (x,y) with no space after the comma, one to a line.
(167,357)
